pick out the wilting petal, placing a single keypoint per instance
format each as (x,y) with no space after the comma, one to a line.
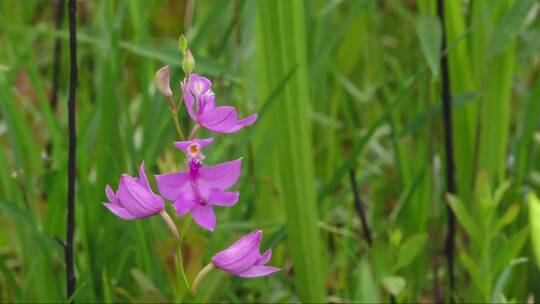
(242,123)
(204,216)
(199,85)
(184,145)
(221,176)
(258,271)
(219,119)
(119,211)
(222,198)
(171,185)
(265,258)
(162,81)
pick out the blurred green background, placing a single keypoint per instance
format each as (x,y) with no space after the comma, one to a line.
(339,85)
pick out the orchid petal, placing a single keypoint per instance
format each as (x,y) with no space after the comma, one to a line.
(265,258)
(119,211)
(199,85)
(183,205)
(241,255)
(207,102)
(111,196)
(219,119)
(142,180)
(222,198)
(242,123)
(204,216)
(129,192)
(222,176)
(172,185)
(258,271)
(184,145)
(189,101)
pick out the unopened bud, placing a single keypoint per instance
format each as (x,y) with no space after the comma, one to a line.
(188,64)
(182,43)
(162,81)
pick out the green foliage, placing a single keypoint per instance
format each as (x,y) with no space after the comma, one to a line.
(534,222)
(283,22)
(489,253)
(429,33)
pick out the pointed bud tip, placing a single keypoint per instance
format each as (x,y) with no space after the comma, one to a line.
(188,63)
(182,43)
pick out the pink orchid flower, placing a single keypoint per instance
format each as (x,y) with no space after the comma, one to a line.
(222,119)
(134,198)
(243,258)
(201,188)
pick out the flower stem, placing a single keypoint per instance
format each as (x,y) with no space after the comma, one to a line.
(170,224)
(180,262)
(194,131)
(174,231)
(200,277)
(177,123)
(186,87)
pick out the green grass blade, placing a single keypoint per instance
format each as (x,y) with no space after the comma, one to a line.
(282,46)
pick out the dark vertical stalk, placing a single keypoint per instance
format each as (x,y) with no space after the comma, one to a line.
(359,208)
(361,213)
(57,54)
(449,150)
(70,273)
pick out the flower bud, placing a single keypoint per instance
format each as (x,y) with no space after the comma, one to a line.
(182,43)
(188,64)
(162,81)
(134,198)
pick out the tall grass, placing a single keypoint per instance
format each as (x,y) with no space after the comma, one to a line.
(282,24)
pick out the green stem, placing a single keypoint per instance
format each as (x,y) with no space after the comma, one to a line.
(174,231)
(174,108)
(200,277)
(194,131)
(177,123)
(186,87)
(181,265)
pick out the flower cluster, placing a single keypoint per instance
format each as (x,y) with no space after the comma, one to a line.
(199,188)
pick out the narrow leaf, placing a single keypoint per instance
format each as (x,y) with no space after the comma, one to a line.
(463,216)
(510,26)
(410,249)
(428,29)
(534,223)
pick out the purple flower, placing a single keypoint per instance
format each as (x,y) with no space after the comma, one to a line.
(201,188)
(134,198)
(243,258)
(223,119)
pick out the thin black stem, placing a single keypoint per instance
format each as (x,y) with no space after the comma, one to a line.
(57,54)
(449,150)
(359,208)
(361,213)
(70,273)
